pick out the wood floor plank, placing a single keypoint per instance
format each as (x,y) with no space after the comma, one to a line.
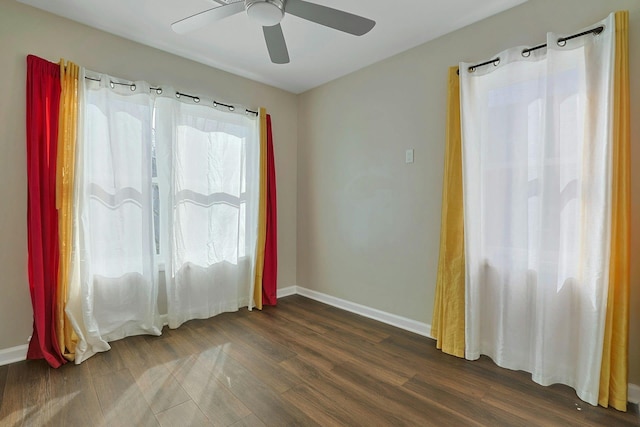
(519,386)
(362,404)
(417,407)
(332,321)
(365,322)
(273,350)
(204,338)
(73,398)
(374,355)
(26,396)
(201,338)
(122,401)
(198,376)
(168,352)
(407,343)
(3,380)
(294,338)
(300,301)
(466,404)
(344,352)
(465,386)
(300,363)
(266,370)
(186,414)
(565,411)
(265,402)
(158,386)
(303,321)
(105,362)
(302,340)
(321,408)
(249,421)
(528,409)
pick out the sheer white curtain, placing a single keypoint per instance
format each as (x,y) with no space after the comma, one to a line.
(209,175)
(536,161)
(113,290)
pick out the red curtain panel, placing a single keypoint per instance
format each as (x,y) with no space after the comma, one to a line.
(270,272)
(43,105)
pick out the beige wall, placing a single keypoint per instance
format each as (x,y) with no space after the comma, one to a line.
(369,224)
(24,30)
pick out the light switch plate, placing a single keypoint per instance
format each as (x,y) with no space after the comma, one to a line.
(409,156)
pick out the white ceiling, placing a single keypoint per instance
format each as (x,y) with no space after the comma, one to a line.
(318,54)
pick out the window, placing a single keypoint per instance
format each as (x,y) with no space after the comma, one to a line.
(162,182)
(537,151)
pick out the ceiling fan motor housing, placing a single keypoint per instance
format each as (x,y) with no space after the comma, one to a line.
(265,12)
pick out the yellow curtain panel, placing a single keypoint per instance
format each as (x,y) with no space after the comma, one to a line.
(614,372)
(67,135)
(262,216)
(449,310)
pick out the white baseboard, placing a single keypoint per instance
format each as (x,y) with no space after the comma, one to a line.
(414,326)
(285,292)
(634,394)
(13,354)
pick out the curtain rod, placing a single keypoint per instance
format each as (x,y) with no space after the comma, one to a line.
(158,90)
(526,52)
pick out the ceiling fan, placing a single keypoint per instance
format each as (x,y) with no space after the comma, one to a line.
(269,13)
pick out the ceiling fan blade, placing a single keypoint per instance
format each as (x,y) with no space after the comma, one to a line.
(334,18)
(276,45)
(207,17)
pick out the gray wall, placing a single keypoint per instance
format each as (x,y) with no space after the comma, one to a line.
(369,224)
(25,30)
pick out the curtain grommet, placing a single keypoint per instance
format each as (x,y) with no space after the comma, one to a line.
(526,53)
(496,62)
(159,91)
(112,84)
(132,87)
(562,42)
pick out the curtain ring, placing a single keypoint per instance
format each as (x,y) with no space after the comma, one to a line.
(177,94)
(215,104)
(562,42)
(132,87)
(196,100)
(472,69)
(232,108)
(526,53)
(496,62)
(159,91)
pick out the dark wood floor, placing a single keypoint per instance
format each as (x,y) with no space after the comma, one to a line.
(302,363)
